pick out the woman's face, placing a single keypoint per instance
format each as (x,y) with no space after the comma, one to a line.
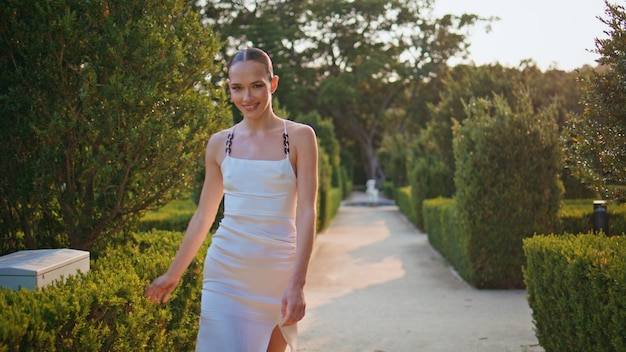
(251,89)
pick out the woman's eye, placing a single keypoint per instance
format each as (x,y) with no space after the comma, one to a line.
(235,88)
(258,86)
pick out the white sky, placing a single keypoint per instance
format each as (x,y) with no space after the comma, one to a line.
(553,33)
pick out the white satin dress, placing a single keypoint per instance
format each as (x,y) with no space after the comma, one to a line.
(251,257)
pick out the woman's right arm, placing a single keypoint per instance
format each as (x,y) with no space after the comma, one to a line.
(199,225)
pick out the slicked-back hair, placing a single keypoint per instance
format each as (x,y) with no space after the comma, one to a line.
(253,54)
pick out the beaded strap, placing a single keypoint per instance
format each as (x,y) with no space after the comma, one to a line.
(286,142)
(229,142)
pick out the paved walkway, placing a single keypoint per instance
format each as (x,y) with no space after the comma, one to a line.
(376,285)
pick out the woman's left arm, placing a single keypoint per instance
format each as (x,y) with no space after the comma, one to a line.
(293,302)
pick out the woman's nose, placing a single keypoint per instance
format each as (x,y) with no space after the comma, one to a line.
(246,95)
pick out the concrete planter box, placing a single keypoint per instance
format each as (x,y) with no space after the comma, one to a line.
(40,267)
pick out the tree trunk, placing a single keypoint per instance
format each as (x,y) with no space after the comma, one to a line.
(370,160)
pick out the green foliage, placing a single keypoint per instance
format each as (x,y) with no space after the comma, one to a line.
(107,110)
(393,157)
(576,216)
(388,189)
(326,138)
(347,172)
(334,197)
(324,198)
(508,188)
(332,176)
(617,219)
(174,216)
(447,236)
(105,309)
(576,288)
(404,203)
(451,239)
(459,85)
(574,188)
(595,139)
(430,178)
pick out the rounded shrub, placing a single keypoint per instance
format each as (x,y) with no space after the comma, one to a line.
(508,187)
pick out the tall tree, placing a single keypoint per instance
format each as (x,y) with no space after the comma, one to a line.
(106,113)
(596,139)
(353,61)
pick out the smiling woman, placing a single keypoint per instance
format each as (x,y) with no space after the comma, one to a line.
(255,269)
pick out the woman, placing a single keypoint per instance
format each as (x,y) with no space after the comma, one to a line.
(256,266)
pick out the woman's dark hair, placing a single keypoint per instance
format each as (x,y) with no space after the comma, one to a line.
(253,54)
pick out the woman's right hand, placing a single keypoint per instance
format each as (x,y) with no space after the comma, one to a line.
(161,288)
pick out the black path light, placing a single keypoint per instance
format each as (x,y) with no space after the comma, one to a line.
(600,217)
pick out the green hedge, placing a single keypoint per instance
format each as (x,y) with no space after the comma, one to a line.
(403,199)
(327,206)
(335,196)
(446,235)
(577,290)
(429,177)
(105,309)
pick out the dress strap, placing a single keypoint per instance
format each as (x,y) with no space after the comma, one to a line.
(229,141)
(285,137)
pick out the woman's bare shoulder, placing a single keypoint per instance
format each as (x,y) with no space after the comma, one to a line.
(300,129)
(217,142)
(220,136)
(303,140)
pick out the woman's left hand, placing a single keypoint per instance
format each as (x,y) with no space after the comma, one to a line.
(293,305)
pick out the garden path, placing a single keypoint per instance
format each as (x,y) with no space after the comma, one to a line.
(376,285)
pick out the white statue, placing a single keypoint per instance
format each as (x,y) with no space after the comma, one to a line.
(372,192)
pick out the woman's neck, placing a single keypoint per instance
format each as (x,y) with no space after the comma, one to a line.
(263,124)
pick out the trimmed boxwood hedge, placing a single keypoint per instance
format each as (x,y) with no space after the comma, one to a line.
(446,234)
(105,309)
(577,290)
(403,199)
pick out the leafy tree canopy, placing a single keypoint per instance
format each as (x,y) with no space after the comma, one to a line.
(596,139)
